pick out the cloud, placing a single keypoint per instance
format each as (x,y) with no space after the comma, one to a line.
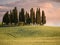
(52,10)
(7,1)
(53,16)
(46,5)
(48,0)
(55,0)
(4,8)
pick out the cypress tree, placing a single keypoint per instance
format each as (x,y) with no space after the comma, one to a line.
(32,16)
(6,18)
(22,16)
(37,22)
(43,18)
(38,16)
(15,15)
(11,17)
(27,18)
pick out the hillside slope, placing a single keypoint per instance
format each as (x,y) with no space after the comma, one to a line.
(29,31)
(30,35)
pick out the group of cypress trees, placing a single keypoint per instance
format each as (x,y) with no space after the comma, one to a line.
(26,18)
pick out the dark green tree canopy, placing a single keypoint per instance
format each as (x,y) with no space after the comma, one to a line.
(15,15)
(21,15)
(6,18)
(43,18)
(27,18)
(33,17)
(38,16)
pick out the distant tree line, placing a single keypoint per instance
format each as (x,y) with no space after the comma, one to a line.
(12,17)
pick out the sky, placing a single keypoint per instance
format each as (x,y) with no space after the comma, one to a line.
(51,8)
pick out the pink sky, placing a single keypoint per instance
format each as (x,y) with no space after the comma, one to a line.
(51,8)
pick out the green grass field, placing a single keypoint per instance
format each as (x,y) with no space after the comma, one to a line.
(30,35)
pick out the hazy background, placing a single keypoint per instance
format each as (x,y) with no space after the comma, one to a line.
(51,8)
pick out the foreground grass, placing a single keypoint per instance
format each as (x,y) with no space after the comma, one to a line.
(29,31)
(30,35)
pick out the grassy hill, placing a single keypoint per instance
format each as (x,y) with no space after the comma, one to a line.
(30,31)
(30,35)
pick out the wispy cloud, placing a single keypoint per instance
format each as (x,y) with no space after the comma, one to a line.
(56,0)
(4,8)
(51,8)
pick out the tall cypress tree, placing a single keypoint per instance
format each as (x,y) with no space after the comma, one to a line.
(27,18)
(15,15)
(32,15)
(43,18)
(6,18)
(11,17)
(22,16)
(38,16)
